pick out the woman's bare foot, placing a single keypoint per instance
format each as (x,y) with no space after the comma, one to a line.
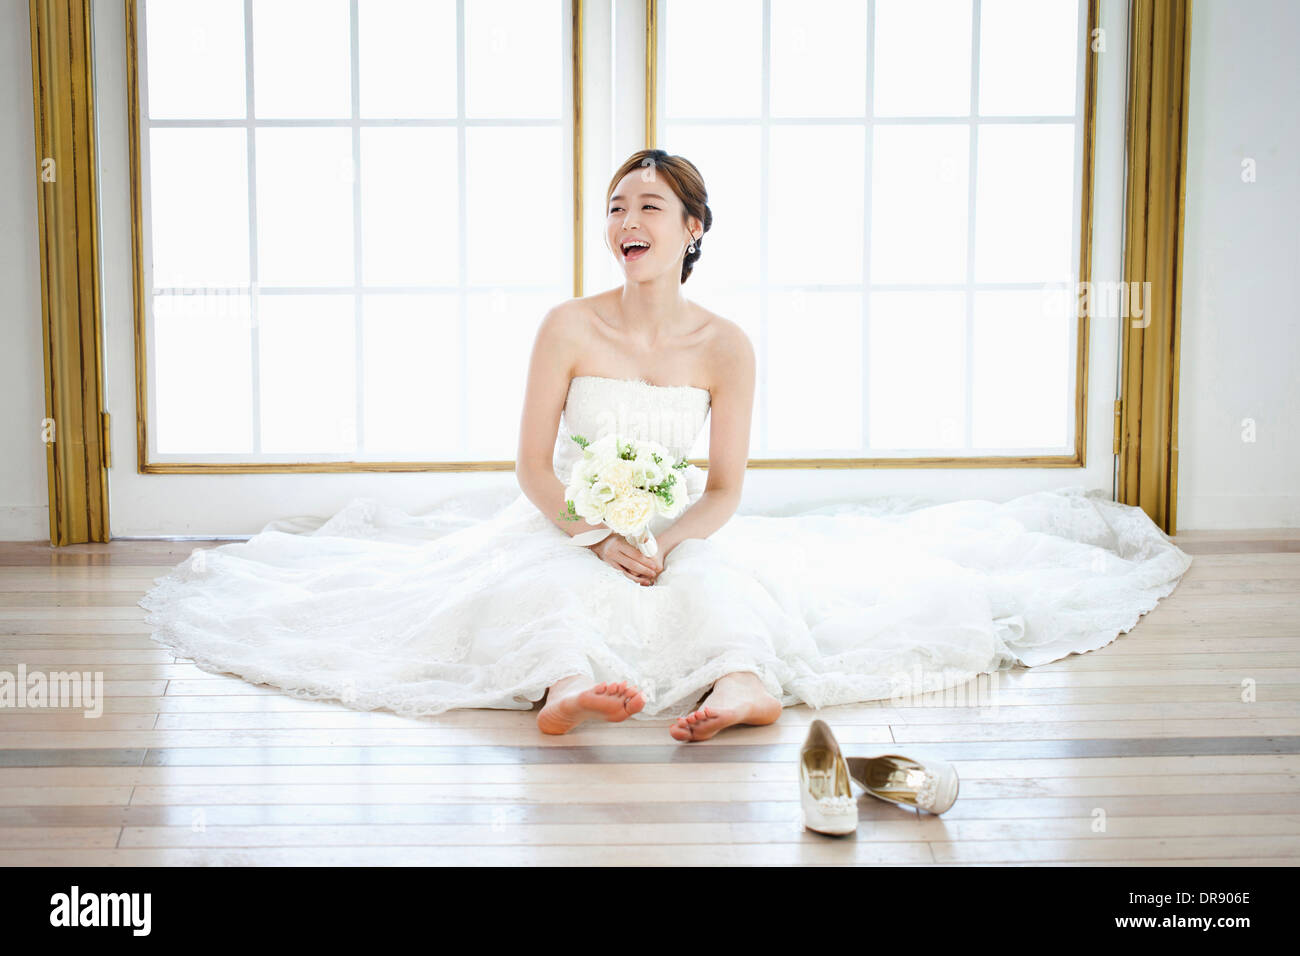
(738,698)
(574,699)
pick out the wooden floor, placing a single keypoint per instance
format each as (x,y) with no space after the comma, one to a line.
(1143,752)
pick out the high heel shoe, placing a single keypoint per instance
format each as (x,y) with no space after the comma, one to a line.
(929,785)
(825,794)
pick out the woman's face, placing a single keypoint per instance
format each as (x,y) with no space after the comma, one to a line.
(645,208)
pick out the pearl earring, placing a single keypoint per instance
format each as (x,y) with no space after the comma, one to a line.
(691,248)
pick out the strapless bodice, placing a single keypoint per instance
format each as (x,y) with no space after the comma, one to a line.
(672,415)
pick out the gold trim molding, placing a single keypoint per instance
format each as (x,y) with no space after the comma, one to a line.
(1156,161)
(68,226)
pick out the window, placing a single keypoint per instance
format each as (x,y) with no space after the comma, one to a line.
(353,219)
(897,188)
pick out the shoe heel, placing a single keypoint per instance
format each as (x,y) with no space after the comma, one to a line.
(825,794)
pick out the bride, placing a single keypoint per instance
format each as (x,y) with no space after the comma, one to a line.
(483,603)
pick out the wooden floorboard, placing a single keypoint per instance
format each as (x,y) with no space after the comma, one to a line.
(1178,744)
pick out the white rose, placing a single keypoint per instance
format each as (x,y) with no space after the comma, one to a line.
(621,475)
(631,513)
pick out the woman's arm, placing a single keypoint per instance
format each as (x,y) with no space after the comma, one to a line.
(548,493)
(549,371)
(732,410)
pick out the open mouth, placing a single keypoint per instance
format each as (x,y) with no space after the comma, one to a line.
(634,250)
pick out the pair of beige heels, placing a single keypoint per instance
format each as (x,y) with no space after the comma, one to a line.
(826,796)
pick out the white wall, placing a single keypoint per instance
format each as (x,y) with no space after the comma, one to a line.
(1241,258)
(24,490)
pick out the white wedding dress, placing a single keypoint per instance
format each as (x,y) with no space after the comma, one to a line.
(484,602)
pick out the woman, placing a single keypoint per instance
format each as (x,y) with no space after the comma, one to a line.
(656,217)
(735,616)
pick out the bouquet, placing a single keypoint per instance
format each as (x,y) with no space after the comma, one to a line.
(623,485)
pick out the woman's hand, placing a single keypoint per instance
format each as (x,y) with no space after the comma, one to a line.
(615,551)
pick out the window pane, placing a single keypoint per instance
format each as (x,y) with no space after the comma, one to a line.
(202,386)
(412,373)
(732,242)
(409,206)
(198,176)
(1028,57)
(922,60)
(304,206)
(816,202)
(307,373)
(502,327)
(696,33)
(1023,369)
(195,57)
(917,376)
(407,53)
(919,203)
(517,202)
(514,59)
(1024,213)
(814,378)
(302,59)
(819,60)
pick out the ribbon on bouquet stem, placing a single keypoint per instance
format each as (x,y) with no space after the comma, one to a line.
(645,541)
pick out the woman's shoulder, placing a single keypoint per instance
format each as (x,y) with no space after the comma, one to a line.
(579,316)
(719,329)
(566,326)
(726,341)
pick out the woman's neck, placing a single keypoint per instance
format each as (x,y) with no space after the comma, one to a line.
(651,309)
